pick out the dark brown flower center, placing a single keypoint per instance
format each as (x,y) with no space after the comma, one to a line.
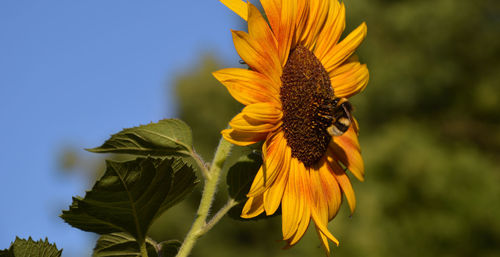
(308,100)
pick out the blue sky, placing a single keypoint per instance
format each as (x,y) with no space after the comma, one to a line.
(74,72)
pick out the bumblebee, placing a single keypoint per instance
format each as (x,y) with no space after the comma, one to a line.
(341,118)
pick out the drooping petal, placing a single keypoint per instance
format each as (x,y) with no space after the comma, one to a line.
(257,56)
(333,28)
(274,195)
(343,50)
(274,161)
(319,216)
(253,207)
(321,204)
(305,219)
(331,191)
(318,194)
(321,226)
(349,79)
(321,223)
(306,192)
(324,240)
(292,203)
(346,150)
(248,87)
(344,183)
(237,6)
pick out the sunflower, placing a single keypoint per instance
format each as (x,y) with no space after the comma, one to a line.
(295,95)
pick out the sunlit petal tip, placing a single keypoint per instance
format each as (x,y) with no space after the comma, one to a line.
(321,225)
(237,6)
(343,50)
(324,241)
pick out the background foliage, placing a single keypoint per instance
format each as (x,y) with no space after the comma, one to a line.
(429,133)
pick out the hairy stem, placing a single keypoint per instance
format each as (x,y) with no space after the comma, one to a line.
(216,218)
(144,251)
(207,198)
(201,164)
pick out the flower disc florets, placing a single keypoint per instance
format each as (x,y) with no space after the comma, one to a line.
(308,100)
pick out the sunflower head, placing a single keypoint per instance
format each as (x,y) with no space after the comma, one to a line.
(296,94)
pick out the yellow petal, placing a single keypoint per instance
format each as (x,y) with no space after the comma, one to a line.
(273,196)
(324,241)
(248,128)
(259,31)
(343,50)
(301,19)
(264,112)
(248,87)
(237,6)
(349,79)
(243,123)
(317,194)
(243,138)
(318,215)
(291,203)
(272,8)
(346,149)
(331,192)
(334,26)
(259,117)
(255,54)
(305,216)
(253,207)
(344,183)
(286,29)
(273,164)
(316,17)
(322,227)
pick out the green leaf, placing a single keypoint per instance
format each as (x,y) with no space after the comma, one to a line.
(131,195)
(241,174)
(169,137)
(240,177)
(122,244)
(30,248)
(169,248)
(239,152)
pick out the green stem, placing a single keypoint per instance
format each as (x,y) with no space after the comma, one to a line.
(207,198)
(144,251)
(220,213)
(201,163)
